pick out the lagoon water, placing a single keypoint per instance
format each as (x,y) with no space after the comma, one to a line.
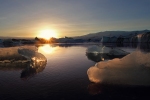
(64,77)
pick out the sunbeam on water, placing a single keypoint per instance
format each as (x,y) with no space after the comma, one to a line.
(46,49)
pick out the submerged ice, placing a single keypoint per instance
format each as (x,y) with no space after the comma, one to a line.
(133,69)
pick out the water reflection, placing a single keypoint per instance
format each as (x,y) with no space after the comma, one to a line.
(67,44)
(33,68)
(46,49)
(118,92)
(30,62)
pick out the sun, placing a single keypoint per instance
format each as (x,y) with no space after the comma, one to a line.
(47,34)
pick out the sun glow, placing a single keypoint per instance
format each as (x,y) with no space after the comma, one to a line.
(47,34)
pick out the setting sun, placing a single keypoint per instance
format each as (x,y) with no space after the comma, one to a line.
(47,34)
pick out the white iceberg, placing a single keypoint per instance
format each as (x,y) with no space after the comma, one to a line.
(133,69)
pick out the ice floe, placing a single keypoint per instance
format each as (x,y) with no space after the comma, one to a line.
(133,69)
(25,58)
(100,53)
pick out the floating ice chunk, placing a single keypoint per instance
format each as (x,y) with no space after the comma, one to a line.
(97,57)
(105,50)
(95,74)
(117,52)
(133,69)
(22,57)
(16,66)
(37,64)
(31,55)
(11,53)
(101,53)
(98,49)
(93,49)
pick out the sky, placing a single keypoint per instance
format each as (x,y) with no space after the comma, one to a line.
(27,18)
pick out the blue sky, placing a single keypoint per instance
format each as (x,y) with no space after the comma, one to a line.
(72,17)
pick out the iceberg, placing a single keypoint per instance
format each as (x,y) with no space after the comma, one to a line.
(100,53)
(37,64)
(98,49)
(13,66)
(25,58)
(117,52)
(11,53)
(97,57)
(31,55)
(133,69)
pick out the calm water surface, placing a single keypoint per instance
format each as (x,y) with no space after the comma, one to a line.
(63,77)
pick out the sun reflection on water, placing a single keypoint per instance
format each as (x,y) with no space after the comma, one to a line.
(46,49)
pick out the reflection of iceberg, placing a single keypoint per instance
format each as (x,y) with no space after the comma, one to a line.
(119,92)
(16,58)
(94,88)
(32,69)
(38,62)
(100,53)
(133,69)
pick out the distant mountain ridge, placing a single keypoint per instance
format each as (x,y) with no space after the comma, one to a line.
(110,34)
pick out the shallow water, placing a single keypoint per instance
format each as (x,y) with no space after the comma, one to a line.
(63,77)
